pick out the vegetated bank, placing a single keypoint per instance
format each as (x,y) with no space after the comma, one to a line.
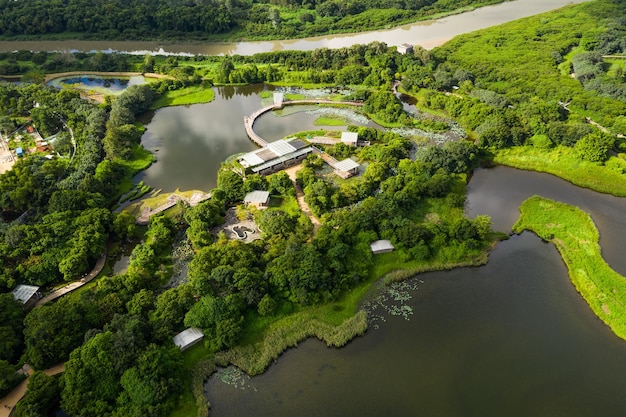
(575,236)
(213,21)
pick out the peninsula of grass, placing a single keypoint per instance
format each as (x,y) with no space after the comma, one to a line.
(575,236)
(563,162)
(330,121)
(185,96)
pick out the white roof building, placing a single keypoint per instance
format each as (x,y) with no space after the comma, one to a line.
(347,165)
(23,293)
(281,147)
(405,48)
(381,246)
(188,338)
(350,138)
(258,198)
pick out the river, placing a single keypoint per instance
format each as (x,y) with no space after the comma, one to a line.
(511,338)
(428,33)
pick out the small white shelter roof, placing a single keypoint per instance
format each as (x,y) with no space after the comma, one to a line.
(257,197)
(380,246)
(346,165)
(252,159)
(349,137)
(188,337)
(23,293)
(278,98)
(281,147)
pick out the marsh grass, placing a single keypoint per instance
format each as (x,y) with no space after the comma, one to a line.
(185,96)
(576,238)
(565,163)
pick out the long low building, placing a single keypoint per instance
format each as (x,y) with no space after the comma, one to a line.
(275,156)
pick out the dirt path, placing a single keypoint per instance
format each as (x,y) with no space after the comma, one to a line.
(300,197)
(8,403)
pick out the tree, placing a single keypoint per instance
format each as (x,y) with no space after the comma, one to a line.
(119,141)
(41,398)
(232,185)
(11,327)
(219,318)
(594,147)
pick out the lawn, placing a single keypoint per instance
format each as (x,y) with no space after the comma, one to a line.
(184,96)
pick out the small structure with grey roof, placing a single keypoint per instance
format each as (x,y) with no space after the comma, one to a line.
(381,246)
(275,156)
(278,99)
(405,48)
(346,168)
(257,198)
(188,338)
(350,138)
(25,294)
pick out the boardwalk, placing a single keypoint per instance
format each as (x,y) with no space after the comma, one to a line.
(76,284)
(249,120)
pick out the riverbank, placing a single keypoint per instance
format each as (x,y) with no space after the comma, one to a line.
(563,162)
(576,237)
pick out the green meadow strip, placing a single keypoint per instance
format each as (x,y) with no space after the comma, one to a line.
(575,236)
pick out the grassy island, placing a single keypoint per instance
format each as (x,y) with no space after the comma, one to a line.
(575,236)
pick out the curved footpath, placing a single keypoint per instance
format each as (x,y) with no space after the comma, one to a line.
(7,404)
(76,284)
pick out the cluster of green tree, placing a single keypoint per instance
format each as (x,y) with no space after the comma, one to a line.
(518,62)
(11,341)
(138,19)
(34,63)
(64,220)
(590,68)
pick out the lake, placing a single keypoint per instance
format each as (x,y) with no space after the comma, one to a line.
(511,338)
(191,142)
(428,33)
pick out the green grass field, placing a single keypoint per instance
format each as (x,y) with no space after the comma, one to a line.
(183,97)
(575,236)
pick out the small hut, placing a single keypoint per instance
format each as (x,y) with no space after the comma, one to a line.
(381,246)
(188,338)
(350,138)
(260,199)
(26,294)
(405,48)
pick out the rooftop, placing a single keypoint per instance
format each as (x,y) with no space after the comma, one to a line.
(349,137)
(378,246)
(23,293)
(257,197)
(281,147)
(346,165)
(188,337)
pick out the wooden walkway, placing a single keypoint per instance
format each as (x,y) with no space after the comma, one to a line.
(76,284)
(249,120)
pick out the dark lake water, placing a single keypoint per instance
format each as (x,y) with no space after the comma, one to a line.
(191,142)
(512,338)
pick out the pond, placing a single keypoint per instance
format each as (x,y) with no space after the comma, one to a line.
(191,142)
(511,338)
(104,85)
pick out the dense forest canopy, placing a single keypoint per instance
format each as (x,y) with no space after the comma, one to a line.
(201,19)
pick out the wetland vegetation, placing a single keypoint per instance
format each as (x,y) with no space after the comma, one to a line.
(515,102)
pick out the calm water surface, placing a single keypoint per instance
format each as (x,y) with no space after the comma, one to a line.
(428,34)
(191,142)
(512,338)
(108,85)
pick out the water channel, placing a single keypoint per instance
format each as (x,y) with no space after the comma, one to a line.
(511,338)
(429,34)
